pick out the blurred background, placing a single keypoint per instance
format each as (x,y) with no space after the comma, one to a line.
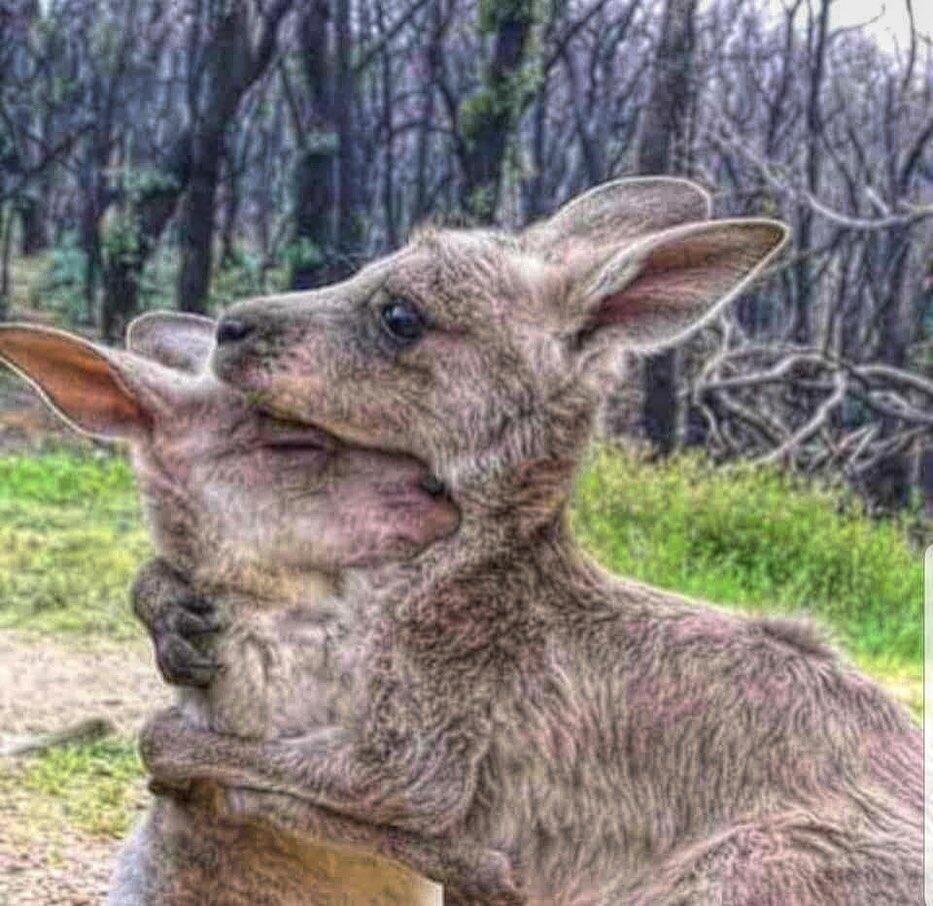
(185,154)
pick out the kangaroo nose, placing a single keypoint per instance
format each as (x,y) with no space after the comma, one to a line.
(232,330)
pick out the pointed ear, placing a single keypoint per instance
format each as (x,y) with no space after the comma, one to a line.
(98,391)
(654,292)
(174,339)
(618,212)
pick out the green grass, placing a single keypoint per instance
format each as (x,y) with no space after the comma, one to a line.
(95,786)
(70,542)
(758,539)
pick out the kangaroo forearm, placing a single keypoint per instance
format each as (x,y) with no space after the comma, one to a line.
(324,769)
(445,859)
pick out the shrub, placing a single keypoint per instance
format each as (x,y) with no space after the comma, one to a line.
(61,287)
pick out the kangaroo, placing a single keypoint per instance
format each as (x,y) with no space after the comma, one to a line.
(264,518)
(618,743)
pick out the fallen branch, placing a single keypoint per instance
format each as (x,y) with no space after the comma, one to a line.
(85,731)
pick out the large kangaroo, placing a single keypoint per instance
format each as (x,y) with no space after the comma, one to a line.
(262,517)
(619,743)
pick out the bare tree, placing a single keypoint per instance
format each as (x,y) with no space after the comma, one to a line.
(660,150)
(232,44)
(155,130)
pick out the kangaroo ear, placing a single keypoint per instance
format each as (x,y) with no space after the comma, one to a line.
(618,212)
(654,292)
(174,339)
(98,391)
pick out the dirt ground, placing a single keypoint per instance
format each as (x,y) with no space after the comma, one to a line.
(46,686)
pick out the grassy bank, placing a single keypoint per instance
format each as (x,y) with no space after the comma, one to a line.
(758,539)
(70,541)
(93,787)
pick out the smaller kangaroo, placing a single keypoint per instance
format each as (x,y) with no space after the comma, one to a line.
(620,744)
(263,518)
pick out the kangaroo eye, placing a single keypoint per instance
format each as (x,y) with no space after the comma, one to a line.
(402,321)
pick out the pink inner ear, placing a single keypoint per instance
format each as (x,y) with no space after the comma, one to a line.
(77,381)
(675,282)
(656,295)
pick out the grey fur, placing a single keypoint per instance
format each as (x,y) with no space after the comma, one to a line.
(618,743)
(213,488)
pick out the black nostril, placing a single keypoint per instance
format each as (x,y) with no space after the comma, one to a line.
(432,485)
(232,330)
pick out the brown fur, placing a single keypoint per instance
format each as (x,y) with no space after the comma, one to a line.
(620,744)
(264,524)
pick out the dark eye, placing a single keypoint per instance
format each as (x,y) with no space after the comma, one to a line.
(403,321)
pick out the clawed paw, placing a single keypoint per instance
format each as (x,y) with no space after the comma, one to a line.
(182,624)
(161,740)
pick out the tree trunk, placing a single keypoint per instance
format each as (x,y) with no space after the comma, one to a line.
(349,221)
(315,201)
(326,182)
(93,260)
(315,179)
(6,235)
(432,61)
(196,225)
(661,414)
(123,268)
(231,214)
(34,237)
(534,187)
(802,328)
(235,56)
(489,115)
(888,483)
(662,125)
(121,298)
(388,183)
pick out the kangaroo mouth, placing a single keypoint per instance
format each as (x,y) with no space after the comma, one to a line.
(285,435)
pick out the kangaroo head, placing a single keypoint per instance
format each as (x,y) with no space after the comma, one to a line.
(482,353)
(229,491)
